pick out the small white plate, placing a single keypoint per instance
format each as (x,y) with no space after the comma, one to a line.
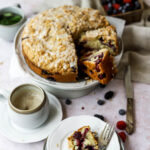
(20,135)
(58,139)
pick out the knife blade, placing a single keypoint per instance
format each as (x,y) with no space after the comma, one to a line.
(130,100)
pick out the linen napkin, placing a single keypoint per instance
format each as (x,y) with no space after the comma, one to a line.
(136,40)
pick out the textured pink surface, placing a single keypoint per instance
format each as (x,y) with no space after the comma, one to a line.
(140,140)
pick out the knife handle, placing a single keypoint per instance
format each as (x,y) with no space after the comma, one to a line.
(130,116)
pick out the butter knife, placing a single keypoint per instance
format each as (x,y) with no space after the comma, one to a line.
(130,101)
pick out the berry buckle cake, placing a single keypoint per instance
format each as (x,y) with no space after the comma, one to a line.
(83,139)
(52,40)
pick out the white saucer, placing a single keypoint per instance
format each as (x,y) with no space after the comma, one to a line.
(58,139)
(29,136)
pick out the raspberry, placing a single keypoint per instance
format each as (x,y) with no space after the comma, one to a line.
(116,6)
(122,135)
(127,1)
(121,125)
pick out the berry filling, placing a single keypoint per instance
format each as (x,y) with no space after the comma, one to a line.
(80,137)
(102,76)
(88,147)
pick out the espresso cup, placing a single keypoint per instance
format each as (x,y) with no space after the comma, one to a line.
(28,106)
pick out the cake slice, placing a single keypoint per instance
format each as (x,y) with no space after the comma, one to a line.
(105,37)
(98,64)
(83,139)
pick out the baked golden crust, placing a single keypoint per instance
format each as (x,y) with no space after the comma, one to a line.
(53,77)
(49,40)
(83,139)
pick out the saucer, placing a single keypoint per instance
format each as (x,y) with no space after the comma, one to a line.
(58,139)
(21,135)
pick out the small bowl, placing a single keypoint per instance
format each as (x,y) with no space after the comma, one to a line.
(7,32)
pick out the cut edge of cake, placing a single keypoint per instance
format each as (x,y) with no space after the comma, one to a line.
(83,139)
(105,37)
(99,65)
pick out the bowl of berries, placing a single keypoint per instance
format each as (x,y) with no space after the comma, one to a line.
(130,10)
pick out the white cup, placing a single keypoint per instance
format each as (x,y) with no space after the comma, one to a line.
(20,111)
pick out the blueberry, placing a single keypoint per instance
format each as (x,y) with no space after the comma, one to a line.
(123,11)
(102,85)
(122,112)
(120,9)
(51,78)
(115,11)
(109,95)
(100,102)
(127,5)
(18,5)
(101,39)
(73,69)
(109,5)
(44,72)
(102,76)
(68,101)
(99,116)
(137,5)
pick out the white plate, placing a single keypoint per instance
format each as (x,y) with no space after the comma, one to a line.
(58,139)
(29,136)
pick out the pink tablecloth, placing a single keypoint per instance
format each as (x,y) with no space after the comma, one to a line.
(138,141)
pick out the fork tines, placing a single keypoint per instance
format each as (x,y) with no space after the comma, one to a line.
(106,136)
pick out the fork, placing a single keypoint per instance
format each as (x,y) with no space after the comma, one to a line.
(105,136)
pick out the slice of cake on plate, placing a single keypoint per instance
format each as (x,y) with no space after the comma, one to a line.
(83,139)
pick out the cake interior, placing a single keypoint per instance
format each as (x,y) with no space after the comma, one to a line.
(83,139)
